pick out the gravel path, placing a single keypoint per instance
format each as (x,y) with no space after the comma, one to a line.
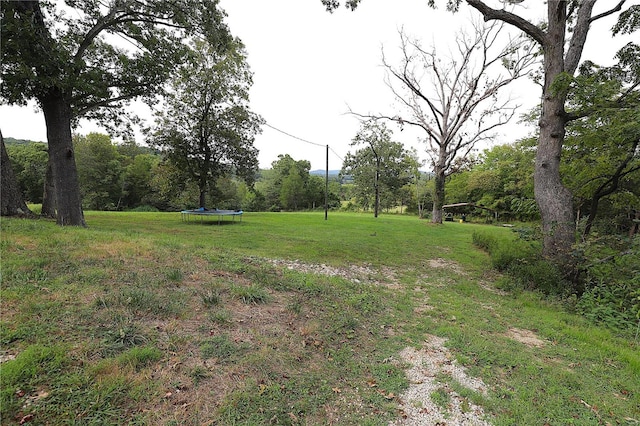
(417,406)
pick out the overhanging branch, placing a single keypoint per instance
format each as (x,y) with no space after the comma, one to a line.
(510,18)
(617,8)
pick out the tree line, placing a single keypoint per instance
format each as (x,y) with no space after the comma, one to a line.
(379,172)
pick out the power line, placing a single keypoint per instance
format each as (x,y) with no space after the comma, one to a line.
(336,154)
(292,136)
(305,141)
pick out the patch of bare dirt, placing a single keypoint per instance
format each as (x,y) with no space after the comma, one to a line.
(490,288)
(416,404)
(6,357)
(439,263)
(355,273)
(526,337)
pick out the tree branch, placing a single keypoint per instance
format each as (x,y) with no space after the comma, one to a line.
(510,18)
(617,8)
(580,31)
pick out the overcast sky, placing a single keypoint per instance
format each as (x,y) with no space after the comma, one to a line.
(310,67)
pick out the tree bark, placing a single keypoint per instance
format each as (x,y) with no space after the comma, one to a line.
(48,195)
(438,197)
(11,201)
(554,199)
(57,114)
(203,198)
(376,206)
(439,181)
(635,223)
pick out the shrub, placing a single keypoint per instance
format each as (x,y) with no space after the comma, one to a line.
(521,259)
(615,305)
(608,292)
(611,266)
(538,274)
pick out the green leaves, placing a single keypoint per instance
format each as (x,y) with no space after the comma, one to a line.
(628,21)
(78,56)
(206,127)
(381,164)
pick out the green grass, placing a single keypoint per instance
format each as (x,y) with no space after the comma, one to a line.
(144,319)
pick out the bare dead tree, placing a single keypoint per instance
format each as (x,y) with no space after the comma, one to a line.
(454,98)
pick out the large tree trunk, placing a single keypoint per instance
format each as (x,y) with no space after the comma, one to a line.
(438,192)
(635,223)
(203,198)
(554,199)
(57,115)
(376,186)
(48,195)
(438,197)
(11,201)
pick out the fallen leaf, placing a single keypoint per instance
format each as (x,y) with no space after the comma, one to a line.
(26,419)
(336,390)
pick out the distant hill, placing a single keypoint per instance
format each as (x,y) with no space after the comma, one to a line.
(320,172)
(14,141)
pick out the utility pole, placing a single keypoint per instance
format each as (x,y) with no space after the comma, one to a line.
(326,187)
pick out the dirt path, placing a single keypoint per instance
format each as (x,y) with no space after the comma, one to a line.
(427,365)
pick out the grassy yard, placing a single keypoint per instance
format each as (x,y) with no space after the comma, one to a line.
(283,319)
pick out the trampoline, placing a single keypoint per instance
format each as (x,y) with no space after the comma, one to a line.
(187,215)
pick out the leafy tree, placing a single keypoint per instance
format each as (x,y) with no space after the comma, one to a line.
(315,192)
(171,188)
(381,167)
(604,160)
(29,162)
(501,180)
(292,191)
(230,192)
(130,149)
(71,60)
(136,184)
(561,38)
(100,171)
(286,183)
(206,127)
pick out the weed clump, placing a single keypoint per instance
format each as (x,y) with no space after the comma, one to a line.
(253,294)
(222,348)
